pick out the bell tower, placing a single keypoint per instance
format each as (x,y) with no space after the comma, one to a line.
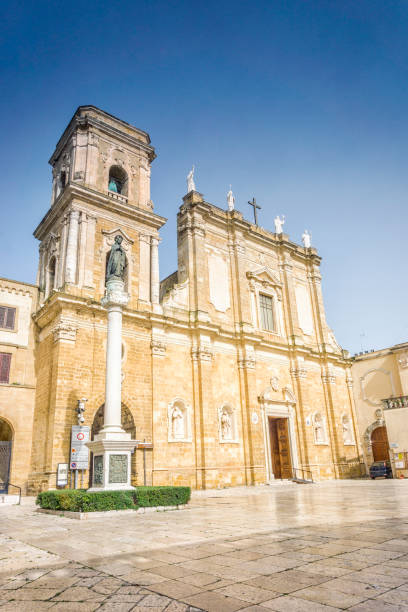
(101,187)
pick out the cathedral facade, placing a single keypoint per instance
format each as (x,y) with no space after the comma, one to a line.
(229,368)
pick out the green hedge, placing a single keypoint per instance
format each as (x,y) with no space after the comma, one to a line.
(80,500)
(162,496)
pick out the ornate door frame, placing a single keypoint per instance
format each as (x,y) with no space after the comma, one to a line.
(279,409)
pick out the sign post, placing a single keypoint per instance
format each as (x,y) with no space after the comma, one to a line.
(79,459)
(62,475)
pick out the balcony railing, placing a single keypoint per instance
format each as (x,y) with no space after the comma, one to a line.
(118,197)
(395,402)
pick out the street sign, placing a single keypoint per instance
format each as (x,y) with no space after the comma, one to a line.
(62,474)
(79,451)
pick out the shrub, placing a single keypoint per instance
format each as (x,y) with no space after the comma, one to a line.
(79,500)
(162,496)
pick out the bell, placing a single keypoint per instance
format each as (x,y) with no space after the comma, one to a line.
(113,186)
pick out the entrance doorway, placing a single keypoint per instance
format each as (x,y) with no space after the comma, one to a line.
(379,444)
(6,441)
(280,447)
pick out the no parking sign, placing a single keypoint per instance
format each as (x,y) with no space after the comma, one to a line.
(79,451)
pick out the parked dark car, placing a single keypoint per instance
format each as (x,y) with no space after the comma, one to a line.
(380,469)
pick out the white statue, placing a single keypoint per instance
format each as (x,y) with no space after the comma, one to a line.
(177,422)
(230,200)
(279,224)
(307,239)
(190,181)
(347,433)
(226,425)
(319,429)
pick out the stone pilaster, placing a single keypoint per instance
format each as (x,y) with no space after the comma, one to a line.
(154,271)
(72,247)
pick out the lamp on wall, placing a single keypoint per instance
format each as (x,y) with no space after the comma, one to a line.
(80,410)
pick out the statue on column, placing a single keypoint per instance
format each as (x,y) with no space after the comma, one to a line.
(307,239)
(279,224)
(190,181)
(230,200)
(116,266)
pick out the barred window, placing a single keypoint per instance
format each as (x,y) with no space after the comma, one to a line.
(7,317)
(266,307)
(5,359)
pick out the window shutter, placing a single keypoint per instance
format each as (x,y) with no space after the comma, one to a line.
(5,360)
(10,318)
(3,311)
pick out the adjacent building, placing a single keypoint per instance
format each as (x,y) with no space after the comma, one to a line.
(229,368)
(381,397)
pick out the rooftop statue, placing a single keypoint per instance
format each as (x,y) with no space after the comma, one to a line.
(279,224)
(230,200)
(307,239)
(190,181)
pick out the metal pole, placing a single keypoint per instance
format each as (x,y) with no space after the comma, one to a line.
(144,464)
(76,479)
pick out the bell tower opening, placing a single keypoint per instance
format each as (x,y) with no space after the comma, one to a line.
(118,180)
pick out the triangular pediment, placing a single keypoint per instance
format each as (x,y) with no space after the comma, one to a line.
(264,274)
(112,233)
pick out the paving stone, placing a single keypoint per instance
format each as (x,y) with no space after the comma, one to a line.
(175,589)
(287,603)
(76,594)
(329,598)
(214,602)
(246,592)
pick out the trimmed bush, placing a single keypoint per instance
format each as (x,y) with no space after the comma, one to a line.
(79,500)
(162,496)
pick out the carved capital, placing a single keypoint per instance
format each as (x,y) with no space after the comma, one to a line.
(64,332)
(158,348)
(114,294)
(298,372)
(202,353)
(329,377)
(248,363)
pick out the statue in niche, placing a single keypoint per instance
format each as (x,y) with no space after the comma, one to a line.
(117,263)
(226,425)
(319,429)
(177,422)
(190,181)
(279,224)
(347,433)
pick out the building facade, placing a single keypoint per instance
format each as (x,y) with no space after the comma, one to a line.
(229,367)
(381,399)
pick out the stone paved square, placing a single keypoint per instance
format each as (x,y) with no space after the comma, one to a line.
(267,548)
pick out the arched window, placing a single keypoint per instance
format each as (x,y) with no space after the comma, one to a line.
(118,180)
(50,284)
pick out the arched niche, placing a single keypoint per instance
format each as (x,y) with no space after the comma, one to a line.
(6,442)
(118,180)
(127,421)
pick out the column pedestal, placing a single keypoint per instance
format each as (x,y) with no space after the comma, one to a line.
(112,447)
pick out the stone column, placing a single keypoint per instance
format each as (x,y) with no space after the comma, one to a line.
(154,271)
(112,447)
(72,247)
(113,301)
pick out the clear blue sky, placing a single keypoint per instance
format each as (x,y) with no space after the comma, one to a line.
(302,104)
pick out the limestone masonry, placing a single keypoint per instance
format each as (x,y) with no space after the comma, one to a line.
(229,368)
